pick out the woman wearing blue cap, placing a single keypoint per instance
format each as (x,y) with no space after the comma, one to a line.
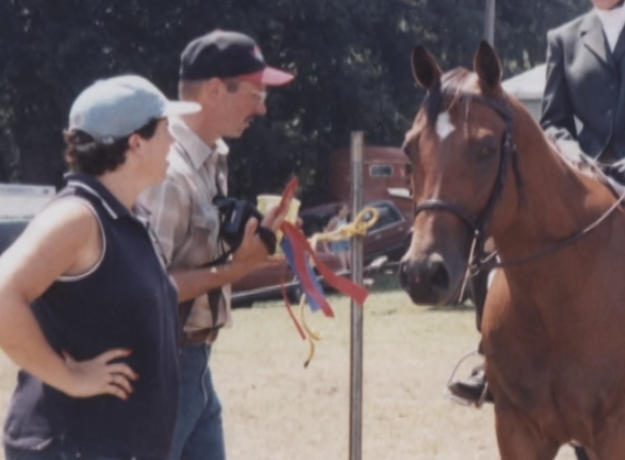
(88,312)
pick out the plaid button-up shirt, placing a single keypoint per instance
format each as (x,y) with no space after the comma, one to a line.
(184,218)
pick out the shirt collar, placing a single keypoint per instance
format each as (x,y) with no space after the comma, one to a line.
(97,189)
(193,145)
(611,18)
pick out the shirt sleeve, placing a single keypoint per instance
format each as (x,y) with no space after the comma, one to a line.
(169,207)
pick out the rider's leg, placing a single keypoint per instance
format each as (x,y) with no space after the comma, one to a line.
(472,389)
(479,289)
(580,453)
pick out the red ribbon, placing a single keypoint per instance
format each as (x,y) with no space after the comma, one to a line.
(301,246)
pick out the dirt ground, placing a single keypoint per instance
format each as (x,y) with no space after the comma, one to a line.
(275,409)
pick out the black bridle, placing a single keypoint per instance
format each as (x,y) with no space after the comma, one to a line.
(479,225)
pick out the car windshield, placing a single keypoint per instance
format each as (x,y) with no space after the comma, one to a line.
(386,216)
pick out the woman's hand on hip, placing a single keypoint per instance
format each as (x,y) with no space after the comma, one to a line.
(100,375)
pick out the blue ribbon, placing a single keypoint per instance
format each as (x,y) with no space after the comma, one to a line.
(308,280)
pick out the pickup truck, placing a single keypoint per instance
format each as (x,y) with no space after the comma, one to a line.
(18,204)
(390,236)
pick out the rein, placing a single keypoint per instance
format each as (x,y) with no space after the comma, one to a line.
(560,244)
(477,255)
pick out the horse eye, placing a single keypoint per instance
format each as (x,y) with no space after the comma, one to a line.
(486,151)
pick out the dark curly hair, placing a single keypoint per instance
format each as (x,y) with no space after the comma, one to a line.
(84,154)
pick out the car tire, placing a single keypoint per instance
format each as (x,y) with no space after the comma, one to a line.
(294,294)
(243,305)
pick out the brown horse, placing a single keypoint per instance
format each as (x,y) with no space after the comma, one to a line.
(553,329)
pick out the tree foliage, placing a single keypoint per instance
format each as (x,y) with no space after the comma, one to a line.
(351,58)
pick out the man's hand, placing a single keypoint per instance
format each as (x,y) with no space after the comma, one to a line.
(252,251)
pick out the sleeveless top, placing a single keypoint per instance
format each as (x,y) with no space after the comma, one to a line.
(126,301)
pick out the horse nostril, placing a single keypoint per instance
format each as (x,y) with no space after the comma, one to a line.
(427,280)
(440,277)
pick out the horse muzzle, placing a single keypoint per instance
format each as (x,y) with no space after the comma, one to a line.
(430,279)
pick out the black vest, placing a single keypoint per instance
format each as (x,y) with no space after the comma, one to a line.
(128,301)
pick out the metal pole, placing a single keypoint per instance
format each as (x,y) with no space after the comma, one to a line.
(489,22)
(355,399)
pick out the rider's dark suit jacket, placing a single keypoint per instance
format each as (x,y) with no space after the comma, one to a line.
(586,80)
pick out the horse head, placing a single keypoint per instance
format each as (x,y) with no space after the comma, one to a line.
(460,147)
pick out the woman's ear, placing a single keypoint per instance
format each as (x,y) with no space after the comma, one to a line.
(137,151)
(135,142)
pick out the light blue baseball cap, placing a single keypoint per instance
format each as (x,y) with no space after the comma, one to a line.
(116,107)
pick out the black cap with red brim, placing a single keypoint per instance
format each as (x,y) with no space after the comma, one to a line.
(224,54)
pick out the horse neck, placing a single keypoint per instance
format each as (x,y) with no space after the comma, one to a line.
(553,201)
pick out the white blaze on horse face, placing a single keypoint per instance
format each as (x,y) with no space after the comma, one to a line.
(444,126)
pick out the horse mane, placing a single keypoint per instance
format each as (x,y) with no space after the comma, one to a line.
(451,91)
(573,156)
(570,152)
(567,150)
(446,94)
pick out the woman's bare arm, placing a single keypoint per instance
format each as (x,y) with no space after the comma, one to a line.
(63,239)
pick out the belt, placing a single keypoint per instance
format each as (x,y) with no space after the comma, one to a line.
(198,337)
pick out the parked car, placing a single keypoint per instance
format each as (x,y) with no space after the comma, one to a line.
(389,236)
(18,205)
(9,231)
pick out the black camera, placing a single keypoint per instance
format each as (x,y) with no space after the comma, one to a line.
(234,215)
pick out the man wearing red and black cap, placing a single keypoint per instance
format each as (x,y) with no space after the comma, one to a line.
(225,73)
(224,54)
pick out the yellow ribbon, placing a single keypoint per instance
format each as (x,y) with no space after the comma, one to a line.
(363,222)
(312,336)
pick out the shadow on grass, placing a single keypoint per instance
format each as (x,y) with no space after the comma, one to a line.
(385,281)
(467,306)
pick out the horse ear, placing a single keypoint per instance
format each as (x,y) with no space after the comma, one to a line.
(487,65)
(425,68)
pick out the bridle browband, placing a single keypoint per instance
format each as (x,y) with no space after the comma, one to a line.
(479,226)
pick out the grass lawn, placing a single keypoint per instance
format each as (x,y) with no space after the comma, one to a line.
(274,408)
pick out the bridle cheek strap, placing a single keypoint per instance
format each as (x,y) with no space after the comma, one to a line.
(479,226)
